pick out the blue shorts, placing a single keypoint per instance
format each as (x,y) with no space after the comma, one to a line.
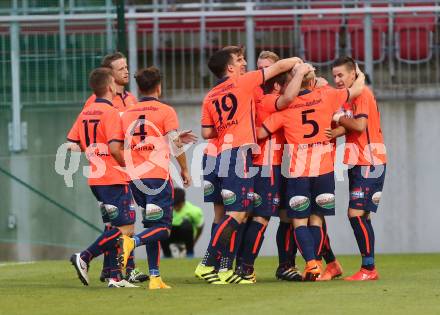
(366,184)
(311,195)
(116,204)
(211,184)
(235,183)
(156,198)
(267,191)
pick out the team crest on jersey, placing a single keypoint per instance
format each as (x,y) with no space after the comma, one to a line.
(357,193)
(112,211)
(228,196)
(326,201)
(376,197)
(299,203)
(153,212)
(208,188)
(257,200)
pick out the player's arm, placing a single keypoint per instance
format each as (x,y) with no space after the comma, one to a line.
(335,132)
(208,132)
(292,89)
(270,125)
(358,124)
(184,172)
(280,66)
(116,149)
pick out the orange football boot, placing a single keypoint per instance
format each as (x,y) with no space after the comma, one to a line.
(332,270)
(364,275)
(312,270)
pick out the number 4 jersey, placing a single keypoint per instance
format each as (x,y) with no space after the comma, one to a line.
(146,125)
(229,109)
(304,123)
(98,125)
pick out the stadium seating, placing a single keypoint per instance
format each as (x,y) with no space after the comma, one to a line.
(355,28)
(414,37)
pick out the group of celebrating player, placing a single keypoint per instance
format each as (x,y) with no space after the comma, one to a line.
(294,118)
(270,153)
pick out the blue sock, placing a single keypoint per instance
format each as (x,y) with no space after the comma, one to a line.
(115,271)
(318,239)
(284,239)
(221,242)
(105,242)
(327,252)
(364,237)
(152,234)
(252,240)
(130,263)
(239,244)
(106,262)
(372,241)
(213,226)
(153,257)
(305,243)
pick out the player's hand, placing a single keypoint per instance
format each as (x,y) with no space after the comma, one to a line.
(302,68)
(329,133)
(185,137)
(320,82)
(338,115)
(186,178)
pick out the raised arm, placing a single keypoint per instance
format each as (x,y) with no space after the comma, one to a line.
(280,66)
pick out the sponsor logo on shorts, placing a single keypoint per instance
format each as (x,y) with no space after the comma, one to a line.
(250,195)
(228,196)
(299,203)
(357,194)
(112,211)
(257,200)
(326,201)
(376,197)
(153,212)
(208,188)
(276,201)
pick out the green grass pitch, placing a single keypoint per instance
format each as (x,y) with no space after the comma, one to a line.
(410,284)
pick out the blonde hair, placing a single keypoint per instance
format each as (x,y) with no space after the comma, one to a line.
(266,54)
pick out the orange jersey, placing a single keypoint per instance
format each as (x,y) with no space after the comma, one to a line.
(271,149)
(146,125)
(304,123)
(121,101)
(96,126)
(367,147)
(229,108)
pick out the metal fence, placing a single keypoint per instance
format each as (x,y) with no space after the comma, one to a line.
(45,58)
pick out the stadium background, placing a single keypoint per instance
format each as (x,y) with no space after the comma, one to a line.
(47,48)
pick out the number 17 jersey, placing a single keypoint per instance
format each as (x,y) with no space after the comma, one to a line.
(229,108)
(98,125)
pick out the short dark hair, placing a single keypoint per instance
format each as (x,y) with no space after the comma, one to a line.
(179,196)
(99,80)
(269,85)
(218,62)
(108,60)
(148,79)
(347,61)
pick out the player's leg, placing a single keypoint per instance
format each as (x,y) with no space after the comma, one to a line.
(333,268)
(366,184)
(237,197)
(117,200)
(286,245)
(299,194)
(265,204)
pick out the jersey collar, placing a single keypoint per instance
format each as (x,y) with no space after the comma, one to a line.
(147,98)
(102,100)
(304,92)
(123,95)
(220,81)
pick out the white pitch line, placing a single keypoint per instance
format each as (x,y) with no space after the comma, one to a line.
(17,263)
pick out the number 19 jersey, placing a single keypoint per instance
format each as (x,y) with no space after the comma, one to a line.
(229,108)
